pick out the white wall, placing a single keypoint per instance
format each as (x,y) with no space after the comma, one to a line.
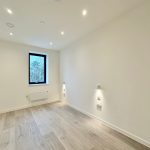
(117,57)
(14,85)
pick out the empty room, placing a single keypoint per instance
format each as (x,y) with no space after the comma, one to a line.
(74,74)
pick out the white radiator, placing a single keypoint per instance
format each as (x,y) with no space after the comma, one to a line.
(38,96)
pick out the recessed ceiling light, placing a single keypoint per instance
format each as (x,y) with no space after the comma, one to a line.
(9,11)
(11,33)
(62,32)
(50,43)
(84,12)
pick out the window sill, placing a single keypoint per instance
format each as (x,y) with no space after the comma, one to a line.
(42,84)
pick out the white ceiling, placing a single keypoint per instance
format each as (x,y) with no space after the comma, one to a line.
(58,15)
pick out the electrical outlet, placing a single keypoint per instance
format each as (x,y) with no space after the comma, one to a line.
(99,107)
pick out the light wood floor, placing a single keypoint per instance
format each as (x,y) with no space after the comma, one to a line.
(58,127)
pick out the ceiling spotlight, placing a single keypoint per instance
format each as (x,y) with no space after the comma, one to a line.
(50,43)
(11,34)
(9,11)
(62,33)
(84,12)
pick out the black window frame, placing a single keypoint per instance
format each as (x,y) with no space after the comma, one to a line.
(45,68)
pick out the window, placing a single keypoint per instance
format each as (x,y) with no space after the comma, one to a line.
(37,68)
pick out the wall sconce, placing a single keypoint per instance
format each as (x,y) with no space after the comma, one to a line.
(64,89)
(98,93)
(99,98)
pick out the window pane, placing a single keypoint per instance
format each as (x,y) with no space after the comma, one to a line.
(37,68)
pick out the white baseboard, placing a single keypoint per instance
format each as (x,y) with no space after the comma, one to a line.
(27,106)
(122,131)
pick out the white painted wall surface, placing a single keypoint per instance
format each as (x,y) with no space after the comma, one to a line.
(14,85)
(117,57)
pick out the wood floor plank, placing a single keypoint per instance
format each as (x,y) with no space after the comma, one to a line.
(7,133)
(7,139)
(81,132)
(90,137)
(120,142)
(114,140)
(2,121)
(27,134)
(59,127)
(53,142)
(4,140)
(9,120)
(82,141)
